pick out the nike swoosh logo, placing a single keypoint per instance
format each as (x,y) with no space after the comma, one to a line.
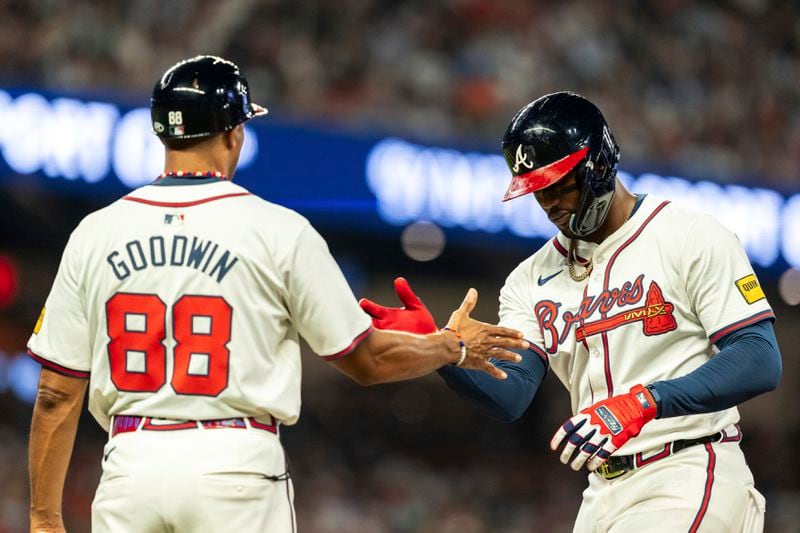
(105,457)
(541,281)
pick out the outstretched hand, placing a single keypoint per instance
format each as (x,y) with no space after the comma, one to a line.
(484,341)
(413,317)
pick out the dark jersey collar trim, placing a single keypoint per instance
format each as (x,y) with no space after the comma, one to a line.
(174,180)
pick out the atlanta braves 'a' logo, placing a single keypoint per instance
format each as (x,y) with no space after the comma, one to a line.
(521,159)
(656,314)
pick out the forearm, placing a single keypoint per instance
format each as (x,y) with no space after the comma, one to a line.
(505,400)
(748,364)
(387,356)
(53,428)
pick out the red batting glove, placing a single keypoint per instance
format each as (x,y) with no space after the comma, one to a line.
(413,317)
(600,429)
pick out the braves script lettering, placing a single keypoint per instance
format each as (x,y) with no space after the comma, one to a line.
(546,311)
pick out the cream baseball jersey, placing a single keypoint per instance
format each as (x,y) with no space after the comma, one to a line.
(186,300)
(664,287)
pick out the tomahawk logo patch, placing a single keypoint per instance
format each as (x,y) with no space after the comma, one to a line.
(656,317)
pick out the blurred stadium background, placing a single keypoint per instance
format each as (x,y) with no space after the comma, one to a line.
(385,114)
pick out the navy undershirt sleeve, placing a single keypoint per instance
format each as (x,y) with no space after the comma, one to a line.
(505,399)
(748,364)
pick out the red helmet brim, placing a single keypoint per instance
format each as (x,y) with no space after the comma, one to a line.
(545,176)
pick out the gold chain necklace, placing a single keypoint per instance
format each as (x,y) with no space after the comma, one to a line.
(571,264)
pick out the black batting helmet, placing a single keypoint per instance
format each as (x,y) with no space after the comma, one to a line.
(551,137)
(199,97)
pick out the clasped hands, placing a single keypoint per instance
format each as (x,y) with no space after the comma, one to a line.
(482,341)
(588,438)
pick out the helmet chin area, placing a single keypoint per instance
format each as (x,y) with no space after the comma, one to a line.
(591,214)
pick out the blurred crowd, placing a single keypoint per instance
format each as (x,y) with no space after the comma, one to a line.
(707,87)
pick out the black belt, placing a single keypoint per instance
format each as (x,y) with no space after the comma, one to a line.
(618,465)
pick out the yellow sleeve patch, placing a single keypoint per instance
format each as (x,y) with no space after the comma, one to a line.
(750,289)
(39,321)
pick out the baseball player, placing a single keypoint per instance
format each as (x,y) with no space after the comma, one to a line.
(651,317)
(181,305)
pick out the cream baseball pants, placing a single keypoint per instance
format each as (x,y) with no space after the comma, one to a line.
(704,488)
(194,480)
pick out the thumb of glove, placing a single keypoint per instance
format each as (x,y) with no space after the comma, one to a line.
(372,309)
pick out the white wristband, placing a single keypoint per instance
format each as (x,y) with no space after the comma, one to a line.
(463,353)
(463,346)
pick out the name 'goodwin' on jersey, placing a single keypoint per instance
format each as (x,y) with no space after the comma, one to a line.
(204,256)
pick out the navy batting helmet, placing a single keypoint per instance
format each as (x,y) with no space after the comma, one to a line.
(200,97)
(555,135)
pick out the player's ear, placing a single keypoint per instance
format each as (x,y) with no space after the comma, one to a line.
(238,132)
(233,138)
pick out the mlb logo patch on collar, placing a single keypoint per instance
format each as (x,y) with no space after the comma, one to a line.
(174,219)
(750,289)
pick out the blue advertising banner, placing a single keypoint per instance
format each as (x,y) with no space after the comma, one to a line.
(366,184)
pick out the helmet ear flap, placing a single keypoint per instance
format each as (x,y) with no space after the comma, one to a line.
(601,171)
(597,176)
(596,183)
(592,177)
(607,158)
(584,173)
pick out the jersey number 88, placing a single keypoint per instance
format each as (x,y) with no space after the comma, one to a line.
(201,326)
